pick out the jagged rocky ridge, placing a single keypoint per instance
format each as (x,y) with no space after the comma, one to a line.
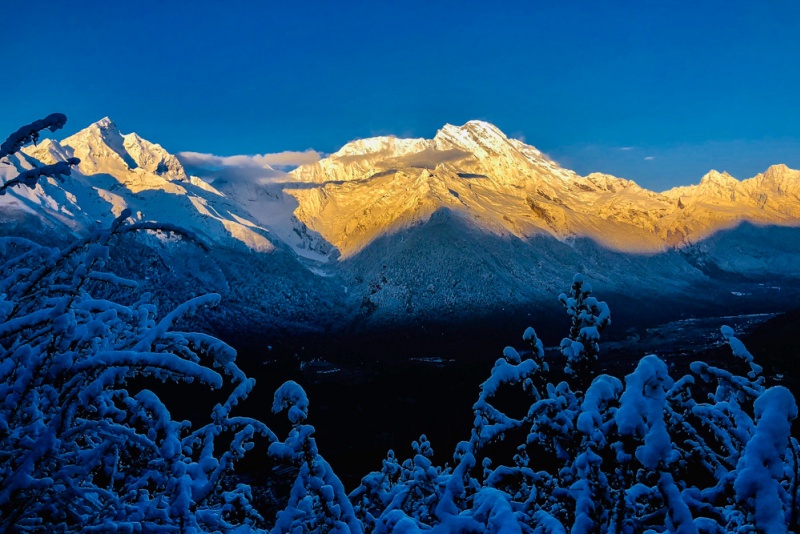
(390,230)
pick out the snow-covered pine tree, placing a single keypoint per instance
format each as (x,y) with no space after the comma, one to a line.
(318,502)
(404,493)
(589,318)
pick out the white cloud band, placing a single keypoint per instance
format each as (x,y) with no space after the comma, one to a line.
(258,168)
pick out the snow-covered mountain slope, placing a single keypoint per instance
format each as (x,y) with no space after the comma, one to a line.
(125,171)
(379,186)
(103,149)
(271,208)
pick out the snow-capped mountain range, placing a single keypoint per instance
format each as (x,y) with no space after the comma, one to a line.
(391,227)
(374,186)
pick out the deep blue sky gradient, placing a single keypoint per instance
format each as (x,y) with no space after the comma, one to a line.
(599,86)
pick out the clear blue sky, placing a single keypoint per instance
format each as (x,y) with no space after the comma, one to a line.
(599,86)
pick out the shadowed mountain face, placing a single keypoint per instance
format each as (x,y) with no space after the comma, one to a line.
(387,232)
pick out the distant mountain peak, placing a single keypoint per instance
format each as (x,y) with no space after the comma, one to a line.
(476,126)
(474,136)
(715,175)
(385,146)
(104,131)
(105,128)
(104,123)
(779,169)
(484,127)
(102,148)
(718,183)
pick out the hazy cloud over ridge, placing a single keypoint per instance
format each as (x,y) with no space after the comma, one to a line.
(427,158)
(256,168)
